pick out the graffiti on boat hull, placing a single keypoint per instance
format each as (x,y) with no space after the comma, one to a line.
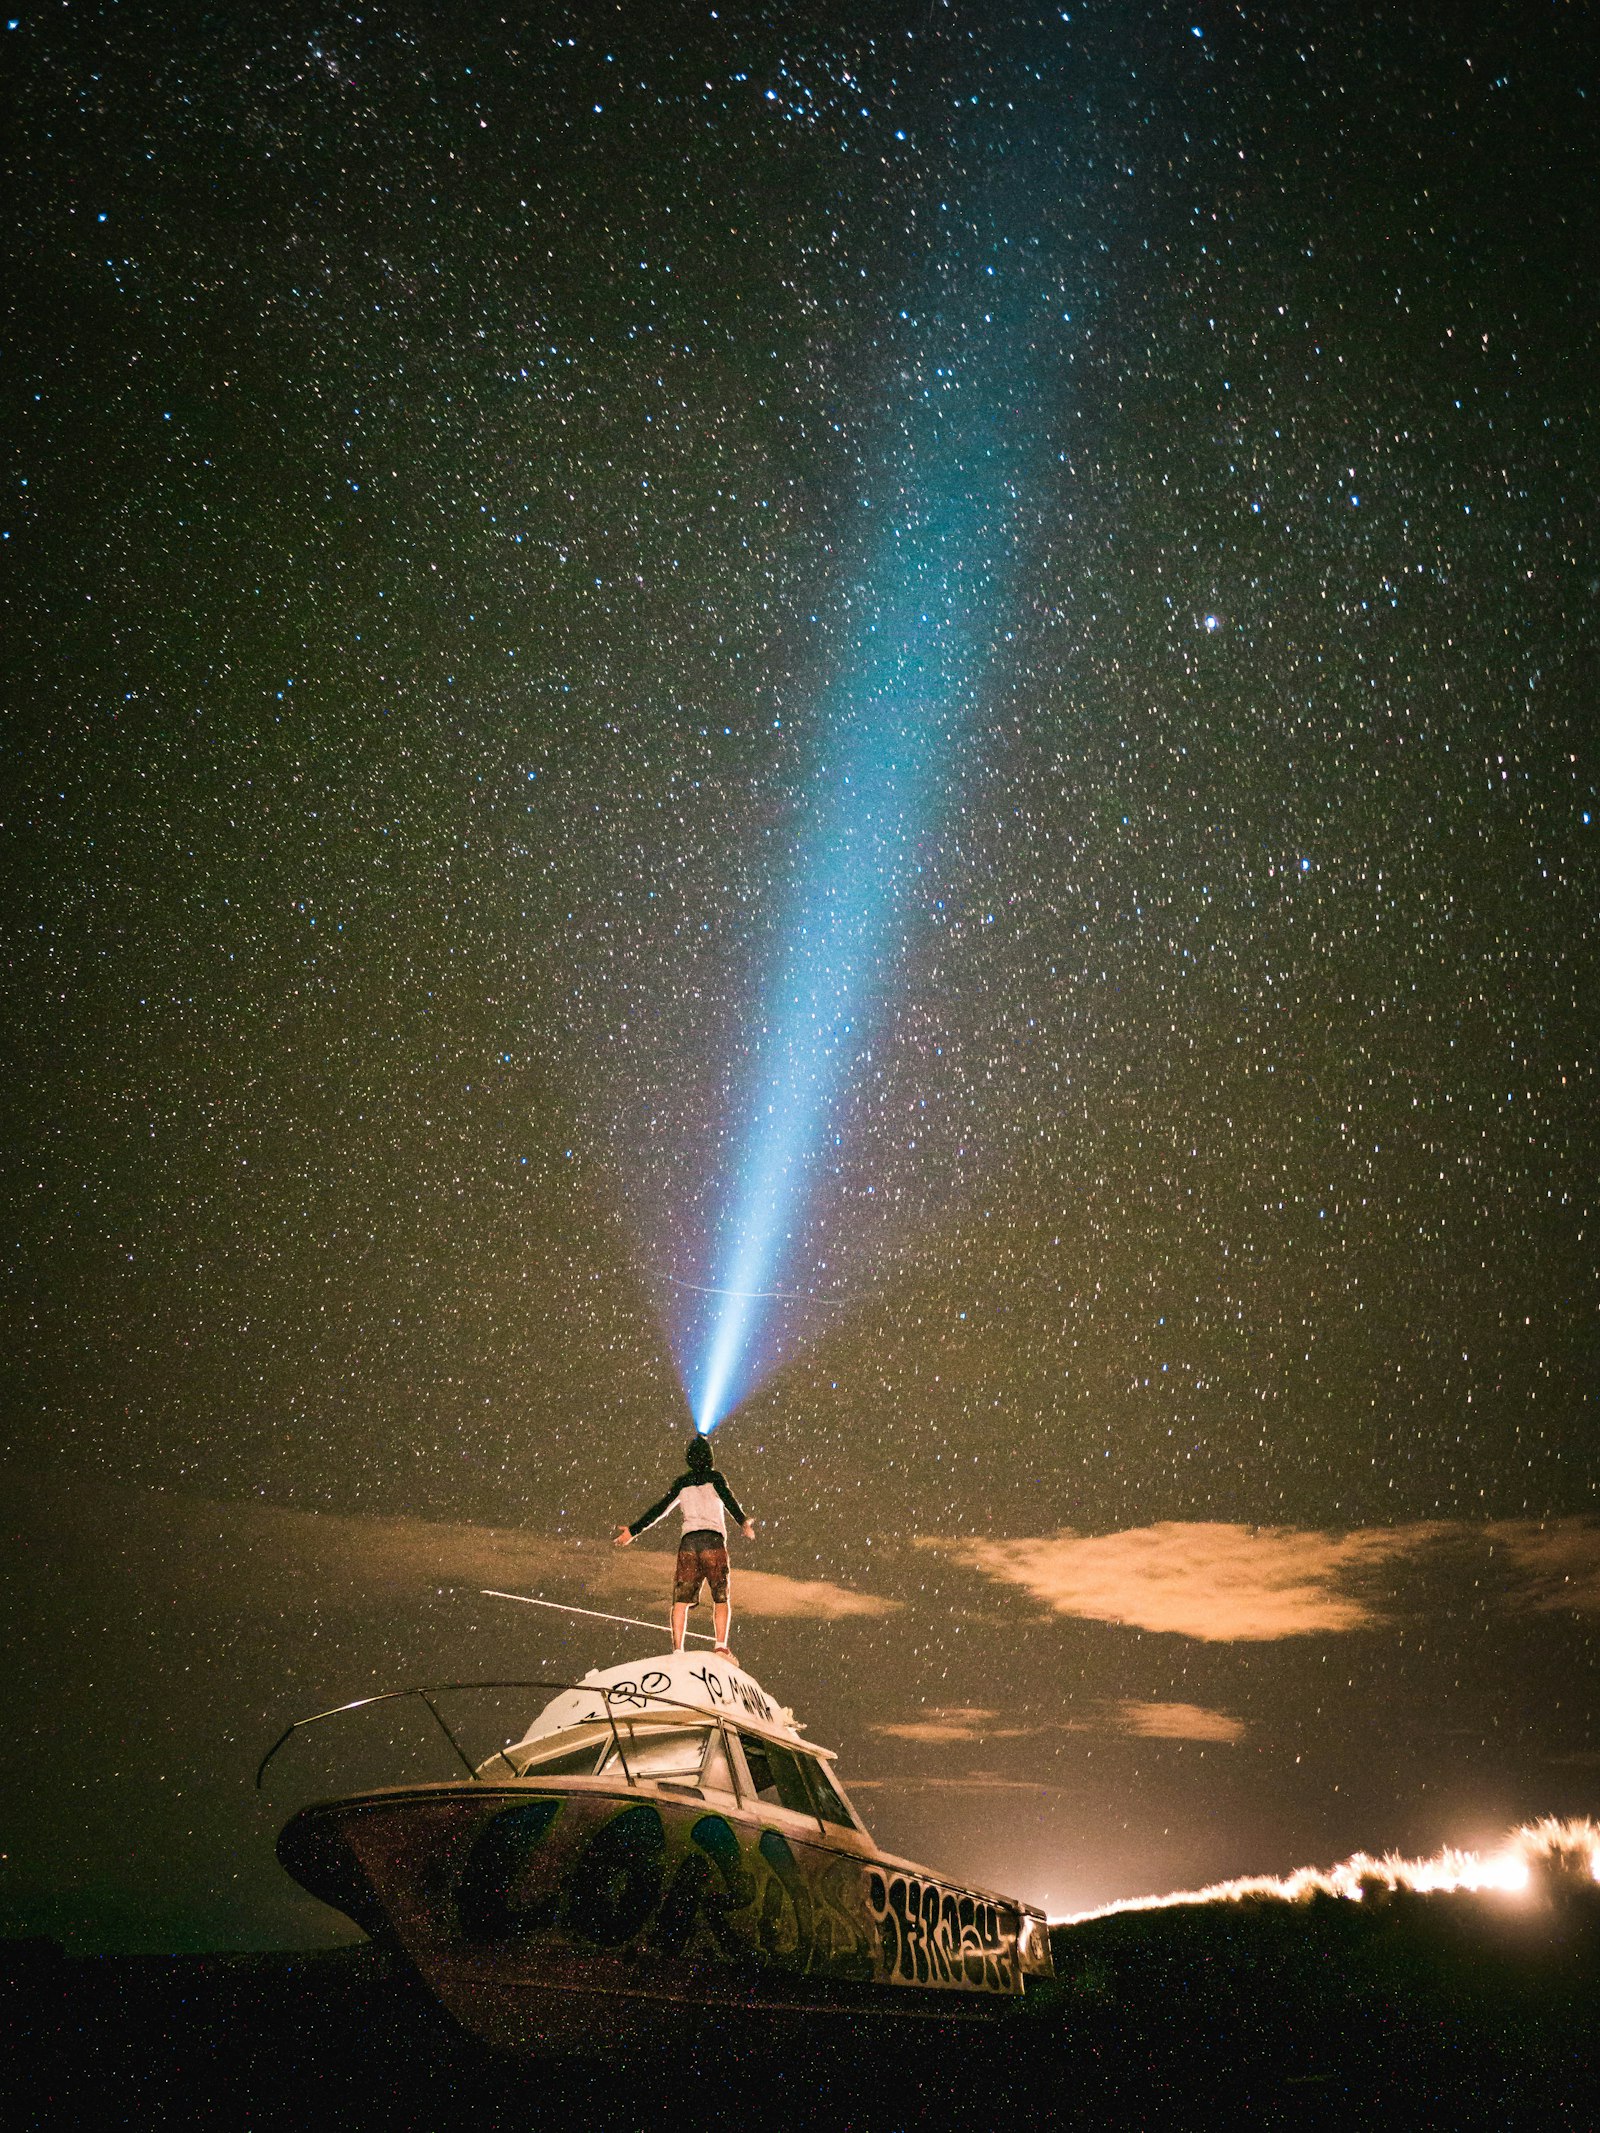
(694,1889)
(710,1885)
(934,1935)
(493,1899)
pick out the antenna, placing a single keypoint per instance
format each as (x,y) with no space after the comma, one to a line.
(525,1599)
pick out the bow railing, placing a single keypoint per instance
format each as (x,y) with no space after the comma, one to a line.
(624,1693)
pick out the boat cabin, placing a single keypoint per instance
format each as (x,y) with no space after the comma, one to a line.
(693,1726)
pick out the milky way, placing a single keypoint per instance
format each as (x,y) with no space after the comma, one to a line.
(459,460)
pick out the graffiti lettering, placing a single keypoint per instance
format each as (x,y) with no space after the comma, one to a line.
(840,1930)
(637,1693)
(785,1923)
(616,1884)
(692,1889)
(493,1897)
(937,1936)
(711,1882)
(727,1688)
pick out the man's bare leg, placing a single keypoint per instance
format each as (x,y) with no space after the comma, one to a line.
(721,1616)
(680,1623)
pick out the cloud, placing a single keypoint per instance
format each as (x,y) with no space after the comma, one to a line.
(250,1554)
(1151,1721)
(1176,1721)
(769,1593)
(645,1574)
(1557,1561)
(1221,1583)
(974,1781)
(928,1729)
(955,1722)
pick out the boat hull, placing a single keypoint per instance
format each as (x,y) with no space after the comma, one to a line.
(547,1917)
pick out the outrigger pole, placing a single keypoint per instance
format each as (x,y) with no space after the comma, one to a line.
(527,1600)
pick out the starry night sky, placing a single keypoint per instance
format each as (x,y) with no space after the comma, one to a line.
(451,458)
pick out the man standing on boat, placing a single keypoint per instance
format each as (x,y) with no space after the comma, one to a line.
(705,1500)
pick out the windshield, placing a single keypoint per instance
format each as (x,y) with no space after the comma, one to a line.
(776,1775)
(689,1755)
(829,1805)
(560,1759)
(661,1752)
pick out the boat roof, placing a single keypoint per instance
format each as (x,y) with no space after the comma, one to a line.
(672,1685)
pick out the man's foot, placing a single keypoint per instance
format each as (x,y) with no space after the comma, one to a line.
(722,1652)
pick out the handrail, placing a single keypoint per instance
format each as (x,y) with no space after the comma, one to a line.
(427,1690)
(424,1689)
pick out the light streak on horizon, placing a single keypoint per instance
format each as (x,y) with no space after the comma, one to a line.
(1550,1846)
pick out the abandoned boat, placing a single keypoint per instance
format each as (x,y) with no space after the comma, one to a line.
(660,1839)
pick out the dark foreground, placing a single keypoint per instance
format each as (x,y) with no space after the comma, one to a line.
(1423,2011)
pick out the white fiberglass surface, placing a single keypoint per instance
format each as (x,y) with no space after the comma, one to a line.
(717,1776)
(689,1681)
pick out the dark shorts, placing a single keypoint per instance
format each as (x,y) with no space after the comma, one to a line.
(702,1555)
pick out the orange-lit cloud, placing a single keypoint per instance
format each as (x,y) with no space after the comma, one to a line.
(1147,1721)
(1558,1560)
(1177,1721)
(955,1722)
(973,1781)
(1222,1583)
(767,1592)
(271,1555)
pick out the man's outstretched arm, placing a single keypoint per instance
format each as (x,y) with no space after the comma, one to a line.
(648,1518)
(730,1504)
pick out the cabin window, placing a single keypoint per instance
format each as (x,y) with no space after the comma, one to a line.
(564,1762)
(829,1805)
(776,1775)
(656,1752)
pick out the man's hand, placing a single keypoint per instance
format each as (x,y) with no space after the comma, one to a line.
(623,1539)
(749,1529)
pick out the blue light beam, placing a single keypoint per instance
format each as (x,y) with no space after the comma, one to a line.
(912,672)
